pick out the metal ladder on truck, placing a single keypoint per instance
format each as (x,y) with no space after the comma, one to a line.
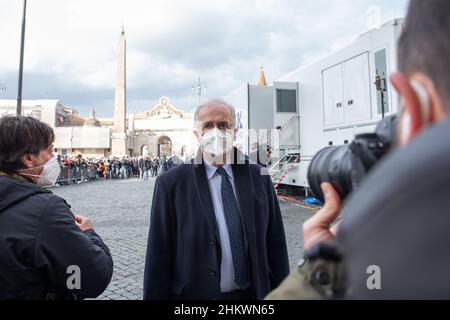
(281,169)
(288,160)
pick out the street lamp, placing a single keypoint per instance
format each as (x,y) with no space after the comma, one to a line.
(201,89)
(22,45)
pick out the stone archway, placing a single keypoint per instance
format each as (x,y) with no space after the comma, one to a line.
(164,146)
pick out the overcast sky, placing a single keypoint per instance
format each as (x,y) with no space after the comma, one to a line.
(71,45)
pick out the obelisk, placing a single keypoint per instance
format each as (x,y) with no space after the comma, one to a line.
(119,136)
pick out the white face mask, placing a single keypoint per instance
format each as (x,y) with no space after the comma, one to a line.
(49,174)
(217,143)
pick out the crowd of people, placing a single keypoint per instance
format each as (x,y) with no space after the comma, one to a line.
(79,169)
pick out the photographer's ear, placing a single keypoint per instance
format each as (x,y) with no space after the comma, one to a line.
(417,113)
(422,104)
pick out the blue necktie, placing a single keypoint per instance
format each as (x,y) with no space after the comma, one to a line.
(235,231)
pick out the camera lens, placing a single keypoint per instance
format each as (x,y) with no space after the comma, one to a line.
(346,166)
(338,166)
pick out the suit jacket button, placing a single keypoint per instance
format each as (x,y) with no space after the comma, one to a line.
(213,272)
(212,242)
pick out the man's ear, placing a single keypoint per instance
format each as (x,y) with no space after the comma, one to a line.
(235,132)
(27,160)
(412,121)
(197,135)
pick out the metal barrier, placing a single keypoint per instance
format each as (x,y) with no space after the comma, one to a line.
(76,174)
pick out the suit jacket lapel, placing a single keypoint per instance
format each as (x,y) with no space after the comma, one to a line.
(244,189)
(204,194)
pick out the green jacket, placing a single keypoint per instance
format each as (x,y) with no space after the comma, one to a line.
(315,279)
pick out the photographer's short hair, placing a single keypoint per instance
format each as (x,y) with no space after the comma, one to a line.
(425,43)
(20,136)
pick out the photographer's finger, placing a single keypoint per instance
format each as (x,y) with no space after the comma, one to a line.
(335,229)
(332,198)
(80,218)
(330,211)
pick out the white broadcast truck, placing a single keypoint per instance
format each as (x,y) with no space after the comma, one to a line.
(325,103)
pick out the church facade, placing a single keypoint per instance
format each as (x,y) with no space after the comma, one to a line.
(162,131)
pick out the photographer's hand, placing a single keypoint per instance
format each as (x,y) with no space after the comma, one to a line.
(318,229)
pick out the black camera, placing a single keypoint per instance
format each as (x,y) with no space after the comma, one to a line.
(346,166)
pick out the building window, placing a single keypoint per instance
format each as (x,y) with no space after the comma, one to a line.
(286,101)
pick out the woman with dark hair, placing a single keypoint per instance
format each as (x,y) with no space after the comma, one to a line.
(46,252)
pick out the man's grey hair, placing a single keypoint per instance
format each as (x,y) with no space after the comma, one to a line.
(197,121)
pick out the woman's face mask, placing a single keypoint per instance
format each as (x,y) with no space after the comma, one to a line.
(217,143)
(49,174)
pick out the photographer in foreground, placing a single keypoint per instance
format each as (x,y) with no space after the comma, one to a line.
(394,237)
(45,251)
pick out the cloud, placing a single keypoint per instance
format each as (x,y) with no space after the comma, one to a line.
(71,45)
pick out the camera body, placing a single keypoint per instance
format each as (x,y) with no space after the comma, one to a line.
(346,166)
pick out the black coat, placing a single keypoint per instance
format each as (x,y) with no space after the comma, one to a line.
(39,240)
(141,164)
(184,253)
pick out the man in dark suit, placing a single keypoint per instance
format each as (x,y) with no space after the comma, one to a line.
(216,228)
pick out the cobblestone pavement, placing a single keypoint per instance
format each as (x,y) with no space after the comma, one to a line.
(120,211)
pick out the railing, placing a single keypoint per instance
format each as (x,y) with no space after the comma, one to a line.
(282,168)
(76,174)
